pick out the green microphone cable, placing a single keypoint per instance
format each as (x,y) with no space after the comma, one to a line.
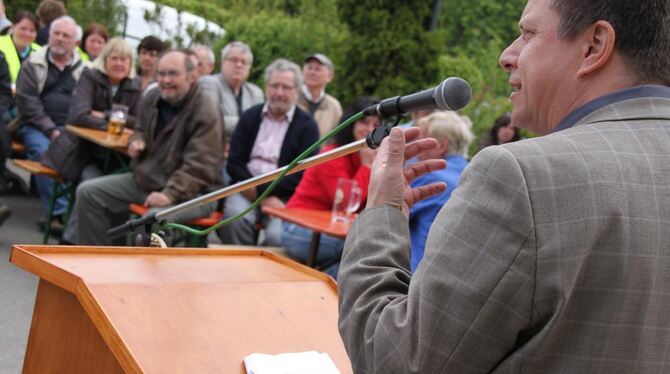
(267,191)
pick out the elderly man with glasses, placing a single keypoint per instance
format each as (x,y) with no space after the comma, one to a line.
(234,93)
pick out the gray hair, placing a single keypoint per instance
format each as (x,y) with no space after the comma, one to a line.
(77,30)
(237,44)
(210,53)
(455,128)
(283,64)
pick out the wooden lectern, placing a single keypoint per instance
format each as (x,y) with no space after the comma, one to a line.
(150,310)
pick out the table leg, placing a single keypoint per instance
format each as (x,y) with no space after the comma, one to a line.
(313,248)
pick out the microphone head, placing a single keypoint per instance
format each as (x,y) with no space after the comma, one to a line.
(453,94)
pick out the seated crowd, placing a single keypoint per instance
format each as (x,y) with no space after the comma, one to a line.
(193,131)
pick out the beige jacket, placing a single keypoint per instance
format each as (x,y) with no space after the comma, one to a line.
(328,114)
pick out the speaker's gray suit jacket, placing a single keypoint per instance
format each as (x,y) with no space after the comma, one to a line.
(552,256)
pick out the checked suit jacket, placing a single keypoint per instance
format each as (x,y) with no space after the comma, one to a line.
(552,256)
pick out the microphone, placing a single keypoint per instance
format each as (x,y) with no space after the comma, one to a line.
(452,94)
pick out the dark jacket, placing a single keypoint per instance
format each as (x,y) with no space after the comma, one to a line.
(186,157)
(93,93)
(302,132)
(30,87)
(6,102)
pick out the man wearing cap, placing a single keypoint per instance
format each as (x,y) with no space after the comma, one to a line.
(326,110)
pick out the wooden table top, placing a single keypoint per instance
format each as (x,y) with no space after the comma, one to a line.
(315,220)
(194,310)
(102,138)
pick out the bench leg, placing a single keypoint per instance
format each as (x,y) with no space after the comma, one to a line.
(50,210)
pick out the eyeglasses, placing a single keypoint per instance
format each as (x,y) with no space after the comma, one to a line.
(235,61)
(169,73)
(277,86)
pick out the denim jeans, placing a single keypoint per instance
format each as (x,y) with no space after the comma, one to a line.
(296,240)
(37,143)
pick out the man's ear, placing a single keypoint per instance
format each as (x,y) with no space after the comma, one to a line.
(331,76)
(598,47)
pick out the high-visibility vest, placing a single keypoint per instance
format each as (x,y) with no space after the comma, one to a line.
(84,55)
(8,48)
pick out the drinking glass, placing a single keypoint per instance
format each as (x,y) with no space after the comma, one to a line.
(347,200)
(117,119)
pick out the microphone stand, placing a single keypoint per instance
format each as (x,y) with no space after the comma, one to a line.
(146,222)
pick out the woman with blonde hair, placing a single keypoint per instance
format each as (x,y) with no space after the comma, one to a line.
(108,82)
(454,135)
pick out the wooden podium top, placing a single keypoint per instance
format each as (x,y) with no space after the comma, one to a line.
(194,310)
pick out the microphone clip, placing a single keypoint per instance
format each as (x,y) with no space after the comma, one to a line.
(374,139)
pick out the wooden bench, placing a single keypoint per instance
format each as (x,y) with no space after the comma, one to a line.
(38,168)
(200,223)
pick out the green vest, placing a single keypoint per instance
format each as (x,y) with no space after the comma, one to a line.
(9,50)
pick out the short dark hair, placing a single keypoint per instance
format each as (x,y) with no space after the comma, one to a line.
(151,43)
(49,10)
(346,136)
(502,121)
(642,30)
(20,16)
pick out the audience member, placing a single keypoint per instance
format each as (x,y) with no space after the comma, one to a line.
(6,100)
(453,135)
(268,136)
(313,99)
(502,132)
(18,45)
(316,189)
(206,59)
(235,94)
(47,12)
(147,57)
(5,24)
(177,152)
(194,59)
(93,41)
(108,82)
(44,89)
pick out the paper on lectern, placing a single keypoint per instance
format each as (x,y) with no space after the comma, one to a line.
(290,363)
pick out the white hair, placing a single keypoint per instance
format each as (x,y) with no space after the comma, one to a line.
(450,125)
(210,53)
(77,33)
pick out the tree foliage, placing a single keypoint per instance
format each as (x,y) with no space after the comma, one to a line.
(379,47)
(389,52)
(107,12)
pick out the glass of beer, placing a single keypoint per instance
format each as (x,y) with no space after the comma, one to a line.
(117,119)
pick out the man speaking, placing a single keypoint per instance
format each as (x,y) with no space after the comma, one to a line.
(553,253)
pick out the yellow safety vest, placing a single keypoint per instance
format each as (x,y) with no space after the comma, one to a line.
(8,48)
(84,55)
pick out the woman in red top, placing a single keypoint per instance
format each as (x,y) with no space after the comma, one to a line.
(317,188)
